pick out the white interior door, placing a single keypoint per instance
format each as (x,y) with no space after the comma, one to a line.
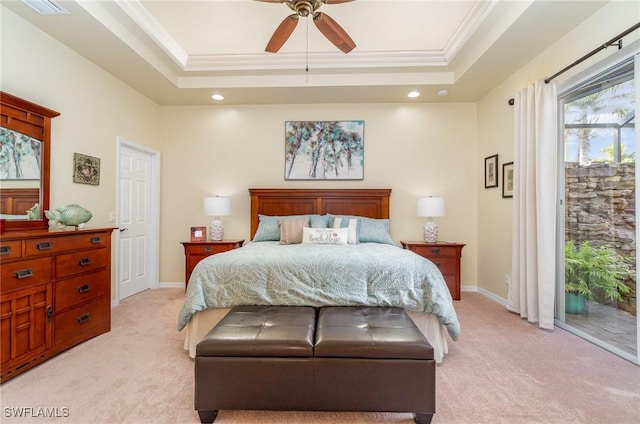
(137,243)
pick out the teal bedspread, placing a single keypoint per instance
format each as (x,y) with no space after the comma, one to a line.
(268,273)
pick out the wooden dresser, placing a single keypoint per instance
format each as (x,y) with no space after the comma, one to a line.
(55,293)
(446,256)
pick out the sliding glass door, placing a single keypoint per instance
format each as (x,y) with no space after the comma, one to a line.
(597,296)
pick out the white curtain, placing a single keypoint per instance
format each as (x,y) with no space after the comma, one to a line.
(532,289)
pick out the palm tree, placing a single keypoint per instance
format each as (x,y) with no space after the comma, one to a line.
(616,100)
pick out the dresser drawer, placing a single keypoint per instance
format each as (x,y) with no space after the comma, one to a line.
(429,251)
(20,274)
(446,265)
(46,245)
(10,249)
(76,290)
(71,264)
(82,322)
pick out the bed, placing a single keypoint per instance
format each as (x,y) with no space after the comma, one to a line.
(362,266)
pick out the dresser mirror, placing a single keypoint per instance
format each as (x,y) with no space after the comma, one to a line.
(25,145)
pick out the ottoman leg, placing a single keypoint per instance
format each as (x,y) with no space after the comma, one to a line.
(423,418)
(207,415)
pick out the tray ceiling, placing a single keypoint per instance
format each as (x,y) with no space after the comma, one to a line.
(181,52)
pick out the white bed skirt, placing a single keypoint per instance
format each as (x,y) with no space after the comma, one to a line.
(428,324)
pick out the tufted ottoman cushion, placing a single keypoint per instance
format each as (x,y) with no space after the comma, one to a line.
(271,331)
(369,332)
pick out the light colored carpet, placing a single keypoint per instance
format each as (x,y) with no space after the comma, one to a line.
(502,370)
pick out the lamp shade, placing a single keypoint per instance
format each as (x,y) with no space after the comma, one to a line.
(430,206)
(217,206)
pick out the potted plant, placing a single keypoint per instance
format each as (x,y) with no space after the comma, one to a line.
(592,274)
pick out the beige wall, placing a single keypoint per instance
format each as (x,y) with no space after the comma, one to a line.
(95,108)
(416,150)
(495,130)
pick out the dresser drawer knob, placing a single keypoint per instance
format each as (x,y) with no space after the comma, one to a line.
(44,245)
(83,318)
(435,251)
(208,249)
(96,240)
(84,288)
(84,261)
(5,250)
(49,313)
(23,273)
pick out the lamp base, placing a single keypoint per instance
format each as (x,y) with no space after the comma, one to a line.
(216,230)
(430,232)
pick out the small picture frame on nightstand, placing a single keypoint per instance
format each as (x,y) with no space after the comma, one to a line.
(198,234)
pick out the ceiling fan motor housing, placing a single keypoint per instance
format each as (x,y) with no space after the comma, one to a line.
(304,8)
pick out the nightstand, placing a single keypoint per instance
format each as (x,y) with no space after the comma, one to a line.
(195,251)
(446,256)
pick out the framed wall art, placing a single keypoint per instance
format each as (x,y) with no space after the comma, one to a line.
(491,171)
(324,150)
(507,179)
(86,169)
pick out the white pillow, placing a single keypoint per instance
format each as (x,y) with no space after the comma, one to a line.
(350,224)
(325,235)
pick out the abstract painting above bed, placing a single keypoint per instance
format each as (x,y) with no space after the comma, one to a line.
(270,273)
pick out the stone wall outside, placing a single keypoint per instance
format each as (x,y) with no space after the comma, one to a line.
(601,207)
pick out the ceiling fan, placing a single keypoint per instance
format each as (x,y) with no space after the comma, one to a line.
(327,26)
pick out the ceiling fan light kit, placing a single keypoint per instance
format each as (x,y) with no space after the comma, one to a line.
(305,8)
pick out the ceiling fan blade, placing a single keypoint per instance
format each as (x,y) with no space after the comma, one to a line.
(276,1)
(333,32)
(282,33)
(328,1)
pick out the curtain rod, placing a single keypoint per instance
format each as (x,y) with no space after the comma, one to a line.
(617,40)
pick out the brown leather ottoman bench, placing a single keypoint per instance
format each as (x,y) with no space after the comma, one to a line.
(330,359)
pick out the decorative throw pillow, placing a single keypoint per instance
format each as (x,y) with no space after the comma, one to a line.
(374,230)
(325,235)
(319,221)
(291,230)
(349,223)
(268,228)
(370,230)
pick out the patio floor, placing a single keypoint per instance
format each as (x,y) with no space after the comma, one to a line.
(611,325)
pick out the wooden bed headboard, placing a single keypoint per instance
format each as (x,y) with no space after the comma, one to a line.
(372,203)
(16,201)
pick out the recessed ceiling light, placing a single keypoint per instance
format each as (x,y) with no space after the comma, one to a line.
(443,92)
(413,94)
(217,96)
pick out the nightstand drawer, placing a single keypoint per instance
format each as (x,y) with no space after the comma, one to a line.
(446,265)
(428,251)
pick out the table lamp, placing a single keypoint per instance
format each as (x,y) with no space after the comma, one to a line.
(216,206)
(430,207)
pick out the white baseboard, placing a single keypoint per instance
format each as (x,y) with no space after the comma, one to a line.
(485,293)
(170,285)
